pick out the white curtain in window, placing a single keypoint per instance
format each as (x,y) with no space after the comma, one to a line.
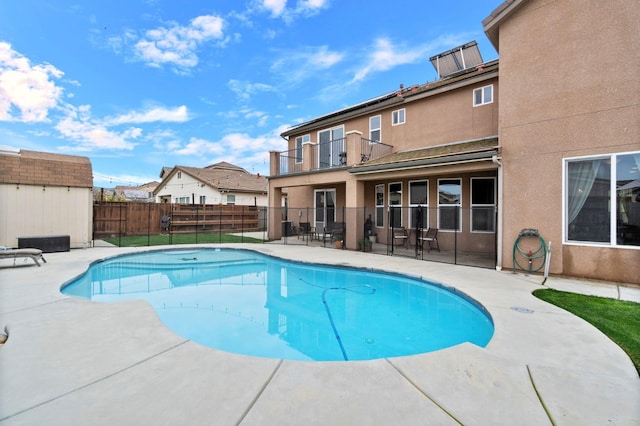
(581,177)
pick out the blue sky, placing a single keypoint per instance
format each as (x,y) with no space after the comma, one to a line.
(138,85)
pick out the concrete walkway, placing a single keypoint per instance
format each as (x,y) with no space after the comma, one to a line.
(74,362)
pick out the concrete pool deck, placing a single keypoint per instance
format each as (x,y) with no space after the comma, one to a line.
(70,361)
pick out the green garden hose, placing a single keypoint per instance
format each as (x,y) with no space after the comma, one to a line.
(531,256)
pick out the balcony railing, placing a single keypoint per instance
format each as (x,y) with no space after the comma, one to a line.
(331,154)
(291,161)
(370,150)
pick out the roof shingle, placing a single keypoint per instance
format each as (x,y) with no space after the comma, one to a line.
(226,178)
(43,168)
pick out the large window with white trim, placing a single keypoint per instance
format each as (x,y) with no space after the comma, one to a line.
(450,204)
(375,128)
(602,199)
(419,204)
(380,205)
(395,205)
(483,204)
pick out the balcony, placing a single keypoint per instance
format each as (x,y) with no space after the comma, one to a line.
(338,153)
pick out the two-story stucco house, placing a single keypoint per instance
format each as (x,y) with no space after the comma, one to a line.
(426,149)
(546,138)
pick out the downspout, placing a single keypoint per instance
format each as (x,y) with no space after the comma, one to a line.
(497,162)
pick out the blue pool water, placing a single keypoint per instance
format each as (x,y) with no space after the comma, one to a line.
(248,303)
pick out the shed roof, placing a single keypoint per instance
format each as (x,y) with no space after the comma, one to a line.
(43,168)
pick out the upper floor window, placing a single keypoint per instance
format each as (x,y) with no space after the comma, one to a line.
(397,117)
(179,175)
(300,140)
(483,95)
(375,128)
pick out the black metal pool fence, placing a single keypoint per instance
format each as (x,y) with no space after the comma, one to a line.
(463,236)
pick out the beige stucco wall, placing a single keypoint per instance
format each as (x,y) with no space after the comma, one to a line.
(36,210)
(431,119)
(569,87)
(442,118)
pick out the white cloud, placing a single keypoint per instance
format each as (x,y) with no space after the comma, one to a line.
(163,140)
(385,55)
(176,115)
(244,89)
(78,126)
(199,147)
(27,93)
(260,117)
(242,149)
(297,65)
(276,7)
(249,152)
(310,7)
(177,45)
(279,9)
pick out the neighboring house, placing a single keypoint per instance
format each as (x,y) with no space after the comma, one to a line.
(43,194)
(220,183)
(542,143)
(142,193)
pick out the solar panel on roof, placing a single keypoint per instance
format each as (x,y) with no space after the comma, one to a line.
(457,59)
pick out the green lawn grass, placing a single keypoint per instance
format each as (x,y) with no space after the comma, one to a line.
(157,240)
(618,319)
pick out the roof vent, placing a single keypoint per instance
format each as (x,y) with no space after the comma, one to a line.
(457,59)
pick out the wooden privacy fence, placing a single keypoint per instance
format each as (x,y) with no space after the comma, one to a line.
(126,218)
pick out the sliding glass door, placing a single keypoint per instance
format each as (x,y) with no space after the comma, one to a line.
(331,145)
(325,206)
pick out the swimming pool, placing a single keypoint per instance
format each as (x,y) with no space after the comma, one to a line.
(250,303)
